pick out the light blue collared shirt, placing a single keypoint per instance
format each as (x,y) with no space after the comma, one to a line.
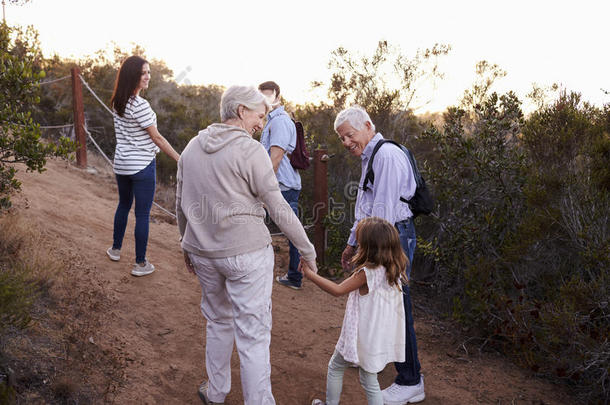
(393,179)
(280,131)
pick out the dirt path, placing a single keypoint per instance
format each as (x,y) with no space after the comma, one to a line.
(155,325)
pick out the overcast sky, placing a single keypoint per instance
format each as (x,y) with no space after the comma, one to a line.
(247,42)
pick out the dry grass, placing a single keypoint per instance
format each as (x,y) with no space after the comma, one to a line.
(51,356)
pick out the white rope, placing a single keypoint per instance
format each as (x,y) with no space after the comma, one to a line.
(97,146)
(56,126)
(110,163)
(54,80)
(82,79)
(164,210)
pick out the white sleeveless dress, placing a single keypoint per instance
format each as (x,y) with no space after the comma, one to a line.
(373,331)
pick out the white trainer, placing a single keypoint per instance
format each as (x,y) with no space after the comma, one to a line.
(318,402)
(114,254)
(404,394)
(203,394)
(142,269)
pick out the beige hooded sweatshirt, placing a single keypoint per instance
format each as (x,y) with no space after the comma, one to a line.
(224,178)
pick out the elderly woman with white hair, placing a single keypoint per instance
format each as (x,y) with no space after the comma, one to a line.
(224,179)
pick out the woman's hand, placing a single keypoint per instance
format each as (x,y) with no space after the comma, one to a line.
(161,142)
(189,264)
(307,268)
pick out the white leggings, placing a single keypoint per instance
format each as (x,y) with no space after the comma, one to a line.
(334,382)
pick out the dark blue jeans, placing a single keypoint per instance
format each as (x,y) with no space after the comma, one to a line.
(141,186)
(409,370)
(292,198)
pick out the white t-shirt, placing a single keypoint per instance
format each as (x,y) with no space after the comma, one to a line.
(134,147)
(374,332)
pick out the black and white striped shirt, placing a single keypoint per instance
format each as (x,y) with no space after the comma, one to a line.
(134,147)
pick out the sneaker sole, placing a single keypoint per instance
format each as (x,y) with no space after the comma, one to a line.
(286,285)
(140,274)
(207,401)
(415,399)
(113,258)
(203,398)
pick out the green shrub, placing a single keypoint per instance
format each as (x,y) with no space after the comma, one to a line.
(520,236)
(19,91)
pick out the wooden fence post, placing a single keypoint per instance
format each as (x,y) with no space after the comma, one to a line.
(79,118)
(320,201)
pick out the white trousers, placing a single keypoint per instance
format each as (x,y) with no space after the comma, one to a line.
(236,302)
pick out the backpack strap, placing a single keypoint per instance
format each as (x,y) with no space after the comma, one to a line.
(369,177)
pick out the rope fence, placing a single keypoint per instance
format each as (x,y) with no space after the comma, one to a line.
(99,149)
(54,80)
(56,126)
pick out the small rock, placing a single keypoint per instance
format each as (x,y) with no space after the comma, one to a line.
(173,367)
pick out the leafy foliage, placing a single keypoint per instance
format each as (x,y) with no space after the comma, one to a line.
(19,133)
(520,244)
(385,84)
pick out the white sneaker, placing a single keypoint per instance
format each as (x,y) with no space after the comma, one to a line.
(203,394)
(404,394)
(142,269)
(114,254)
(318,402)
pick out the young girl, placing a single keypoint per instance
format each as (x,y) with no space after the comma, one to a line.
(373,331)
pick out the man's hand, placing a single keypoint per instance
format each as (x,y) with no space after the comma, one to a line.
(346,257)
(189,264)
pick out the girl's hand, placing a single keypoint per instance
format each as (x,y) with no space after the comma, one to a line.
(306,268)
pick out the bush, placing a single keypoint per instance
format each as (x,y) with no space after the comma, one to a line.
(520,239)
(19,133)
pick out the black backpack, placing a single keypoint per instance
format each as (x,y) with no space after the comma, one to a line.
(421,202)
(299,158)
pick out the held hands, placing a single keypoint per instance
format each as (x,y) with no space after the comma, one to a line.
(346,257)
(307,268)
(189,264)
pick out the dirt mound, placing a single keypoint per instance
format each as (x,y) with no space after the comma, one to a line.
(153,324)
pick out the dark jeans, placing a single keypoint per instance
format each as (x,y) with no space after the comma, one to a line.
(141,186)
(292,198)
(408,371)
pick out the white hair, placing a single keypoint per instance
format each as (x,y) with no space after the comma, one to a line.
(234,96)
(356,116)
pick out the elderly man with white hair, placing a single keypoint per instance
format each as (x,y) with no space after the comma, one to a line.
(393,179)
(224,178)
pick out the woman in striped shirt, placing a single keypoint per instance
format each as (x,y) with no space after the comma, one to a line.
(137,143)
